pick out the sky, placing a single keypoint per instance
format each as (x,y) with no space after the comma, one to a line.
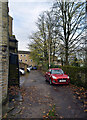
(25,14)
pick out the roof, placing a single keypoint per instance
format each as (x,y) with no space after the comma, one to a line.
(55,68)
(23,52)
(10,17)
(23,63)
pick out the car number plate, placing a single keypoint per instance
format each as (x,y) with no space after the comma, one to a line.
(62,80)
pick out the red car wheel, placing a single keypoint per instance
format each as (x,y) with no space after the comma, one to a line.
(50,81)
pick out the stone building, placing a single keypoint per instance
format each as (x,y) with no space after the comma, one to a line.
(8,50)
(4,49)
(13,45)
(25,59)
(13,57)
(4,53)
(10,25)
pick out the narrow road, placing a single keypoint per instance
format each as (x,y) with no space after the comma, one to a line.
(39,97)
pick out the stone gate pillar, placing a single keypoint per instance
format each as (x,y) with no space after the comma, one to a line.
(4,52)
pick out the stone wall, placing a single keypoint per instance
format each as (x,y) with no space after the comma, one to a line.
(10,25)
(4,52)
(13,70)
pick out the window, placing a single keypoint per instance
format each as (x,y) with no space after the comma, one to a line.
(57,71)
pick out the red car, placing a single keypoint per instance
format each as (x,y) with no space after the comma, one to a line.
(57,76)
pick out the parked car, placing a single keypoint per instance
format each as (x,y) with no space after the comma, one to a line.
(21,70)
(28,69)
(57,76)
(34,67)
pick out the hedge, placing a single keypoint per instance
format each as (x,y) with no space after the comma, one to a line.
(78,75)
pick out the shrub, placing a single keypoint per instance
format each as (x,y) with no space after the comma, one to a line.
(78,75)
(45,66)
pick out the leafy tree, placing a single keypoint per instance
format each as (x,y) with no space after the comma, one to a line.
(36,48)
(59,32)
(44,39)
(42,34)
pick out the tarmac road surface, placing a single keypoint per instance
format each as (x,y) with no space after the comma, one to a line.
(39,97)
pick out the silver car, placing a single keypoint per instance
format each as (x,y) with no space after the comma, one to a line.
(22,72)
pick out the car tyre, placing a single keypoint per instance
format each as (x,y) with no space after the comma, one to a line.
(50,81)
(46,80)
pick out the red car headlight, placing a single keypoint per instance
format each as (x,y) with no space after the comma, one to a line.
(68,77)
(54,77)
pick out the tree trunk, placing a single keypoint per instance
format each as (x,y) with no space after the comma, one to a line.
(54,53)
(66,57)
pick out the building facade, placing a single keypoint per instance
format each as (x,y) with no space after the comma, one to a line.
(4,51)
(4,54)
(25,59)
(10,25)
(13,57)
(13,45)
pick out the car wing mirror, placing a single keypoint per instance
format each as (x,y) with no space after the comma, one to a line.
(49,73)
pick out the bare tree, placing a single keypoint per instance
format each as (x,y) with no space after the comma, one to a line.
(60,30)
(69,17)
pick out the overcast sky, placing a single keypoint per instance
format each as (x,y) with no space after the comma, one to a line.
(25,14)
